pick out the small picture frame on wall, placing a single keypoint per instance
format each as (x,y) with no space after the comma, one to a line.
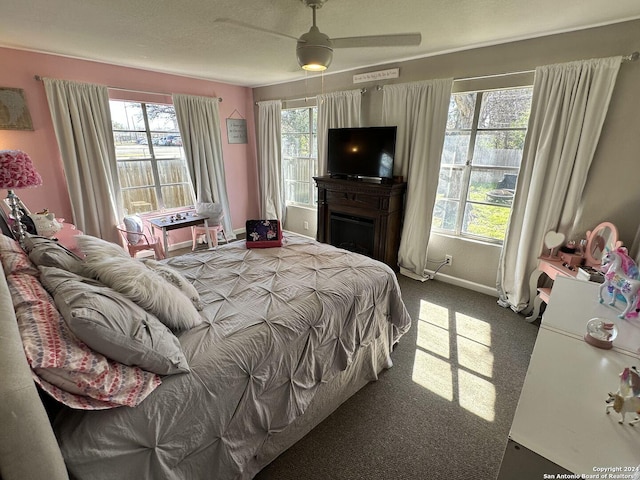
(14,113)
(236,130)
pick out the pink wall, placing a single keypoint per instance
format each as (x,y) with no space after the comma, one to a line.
(18,71)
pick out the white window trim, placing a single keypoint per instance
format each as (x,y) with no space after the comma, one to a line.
(314,135)
(480,86)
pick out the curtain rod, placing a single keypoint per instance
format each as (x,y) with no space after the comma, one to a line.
(39,78)
(362,90)
(632,57)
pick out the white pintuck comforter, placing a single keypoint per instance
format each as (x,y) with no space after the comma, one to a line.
(281,323)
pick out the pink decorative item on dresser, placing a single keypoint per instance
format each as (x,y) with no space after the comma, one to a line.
(602,239)
(620,278)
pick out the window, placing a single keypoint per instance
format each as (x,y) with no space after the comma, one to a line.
(299,155)
(151,167)
(480,162)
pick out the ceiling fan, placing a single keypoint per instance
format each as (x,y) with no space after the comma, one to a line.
(315,49)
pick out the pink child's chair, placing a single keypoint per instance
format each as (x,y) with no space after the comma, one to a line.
(215,213)
(138,237)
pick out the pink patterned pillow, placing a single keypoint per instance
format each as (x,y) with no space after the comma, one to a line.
(62,365)
(14,259)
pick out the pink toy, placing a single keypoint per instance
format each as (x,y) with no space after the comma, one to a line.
(626,399)
(620,277)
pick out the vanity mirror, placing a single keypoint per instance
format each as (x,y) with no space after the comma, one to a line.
(602,238)
(552,240)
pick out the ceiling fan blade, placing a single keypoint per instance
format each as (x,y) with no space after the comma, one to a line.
(393,40)
(236,23)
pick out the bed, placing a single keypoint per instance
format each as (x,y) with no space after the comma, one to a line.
(288,334)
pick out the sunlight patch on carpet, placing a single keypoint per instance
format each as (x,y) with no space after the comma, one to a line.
(433,338)
(433,374)
(477,395)
(475,356)
(464,375)
(434,314)
(474,329)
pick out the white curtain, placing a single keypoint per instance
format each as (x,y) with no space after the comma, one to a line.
(82,123)
(335,110)
(420,112)
(199,124)
(569,105)
(272,204)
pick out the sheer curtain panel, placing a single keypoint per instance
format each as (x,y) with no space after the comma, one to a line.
(420,112)
(335,110)
(272,205)
(82,123)
(199,124)
(569,105)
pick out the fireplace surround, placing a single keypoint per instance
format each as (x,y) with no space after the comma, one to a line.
(361,216)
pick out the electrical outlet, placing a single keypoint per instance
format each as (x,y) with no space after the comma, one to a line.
(448,259)
(305,225)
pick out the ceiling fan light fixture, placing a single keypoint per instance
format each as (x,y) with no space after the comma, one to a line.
(314,67)
(314,50)
(314,58)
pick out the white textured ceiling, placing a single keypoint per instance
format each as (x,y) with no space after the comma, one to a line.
(183,36)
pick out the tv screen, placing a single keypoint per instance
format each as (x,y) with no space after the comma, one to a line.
(361,152)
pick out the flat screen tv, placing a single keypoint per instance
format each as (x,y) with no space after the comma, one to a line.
(361,153)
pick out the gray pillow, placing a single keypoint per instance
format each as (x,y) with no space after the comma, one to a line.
(113,325)
(49,253)
(144,286)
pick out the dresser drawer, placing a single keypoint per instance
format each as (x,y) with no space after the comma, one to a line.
(360,200)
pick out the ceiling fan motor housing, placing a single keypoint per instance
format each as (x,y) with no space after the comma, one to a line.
(314,50)
(314,3)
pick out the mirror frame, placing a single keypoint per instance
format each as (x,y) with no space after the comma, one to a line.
(592,235)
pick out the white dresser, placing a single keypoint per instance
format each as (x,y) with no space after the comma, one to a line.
(560,425)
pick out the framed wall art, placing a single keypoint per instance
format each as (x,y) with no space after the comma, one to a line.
(236,128)
(14,114)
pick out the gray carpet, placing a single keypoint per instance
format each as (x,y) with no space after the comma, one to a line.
(442,412)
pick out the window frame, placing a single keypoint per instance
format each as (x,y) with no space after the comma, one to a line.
(468,168)
(312,133)
(153,160)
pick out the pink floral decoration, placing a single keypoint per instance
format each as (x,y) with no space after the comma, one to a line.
(17,171)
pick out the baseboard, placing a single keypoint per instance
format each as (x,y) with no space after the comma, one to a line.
(459,282)
(477,287)
(299,234)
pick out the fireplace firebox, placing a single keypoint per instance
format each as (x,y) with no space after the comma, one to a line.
(352,233)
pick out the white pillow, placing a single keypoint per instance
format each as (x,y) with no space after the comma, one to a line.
(133,223)
(95,246)
(143,285)
(174,277)
(212,210)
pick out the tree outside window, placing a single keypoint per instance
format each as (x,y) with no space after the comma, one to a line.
(152,170)
(480,162)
